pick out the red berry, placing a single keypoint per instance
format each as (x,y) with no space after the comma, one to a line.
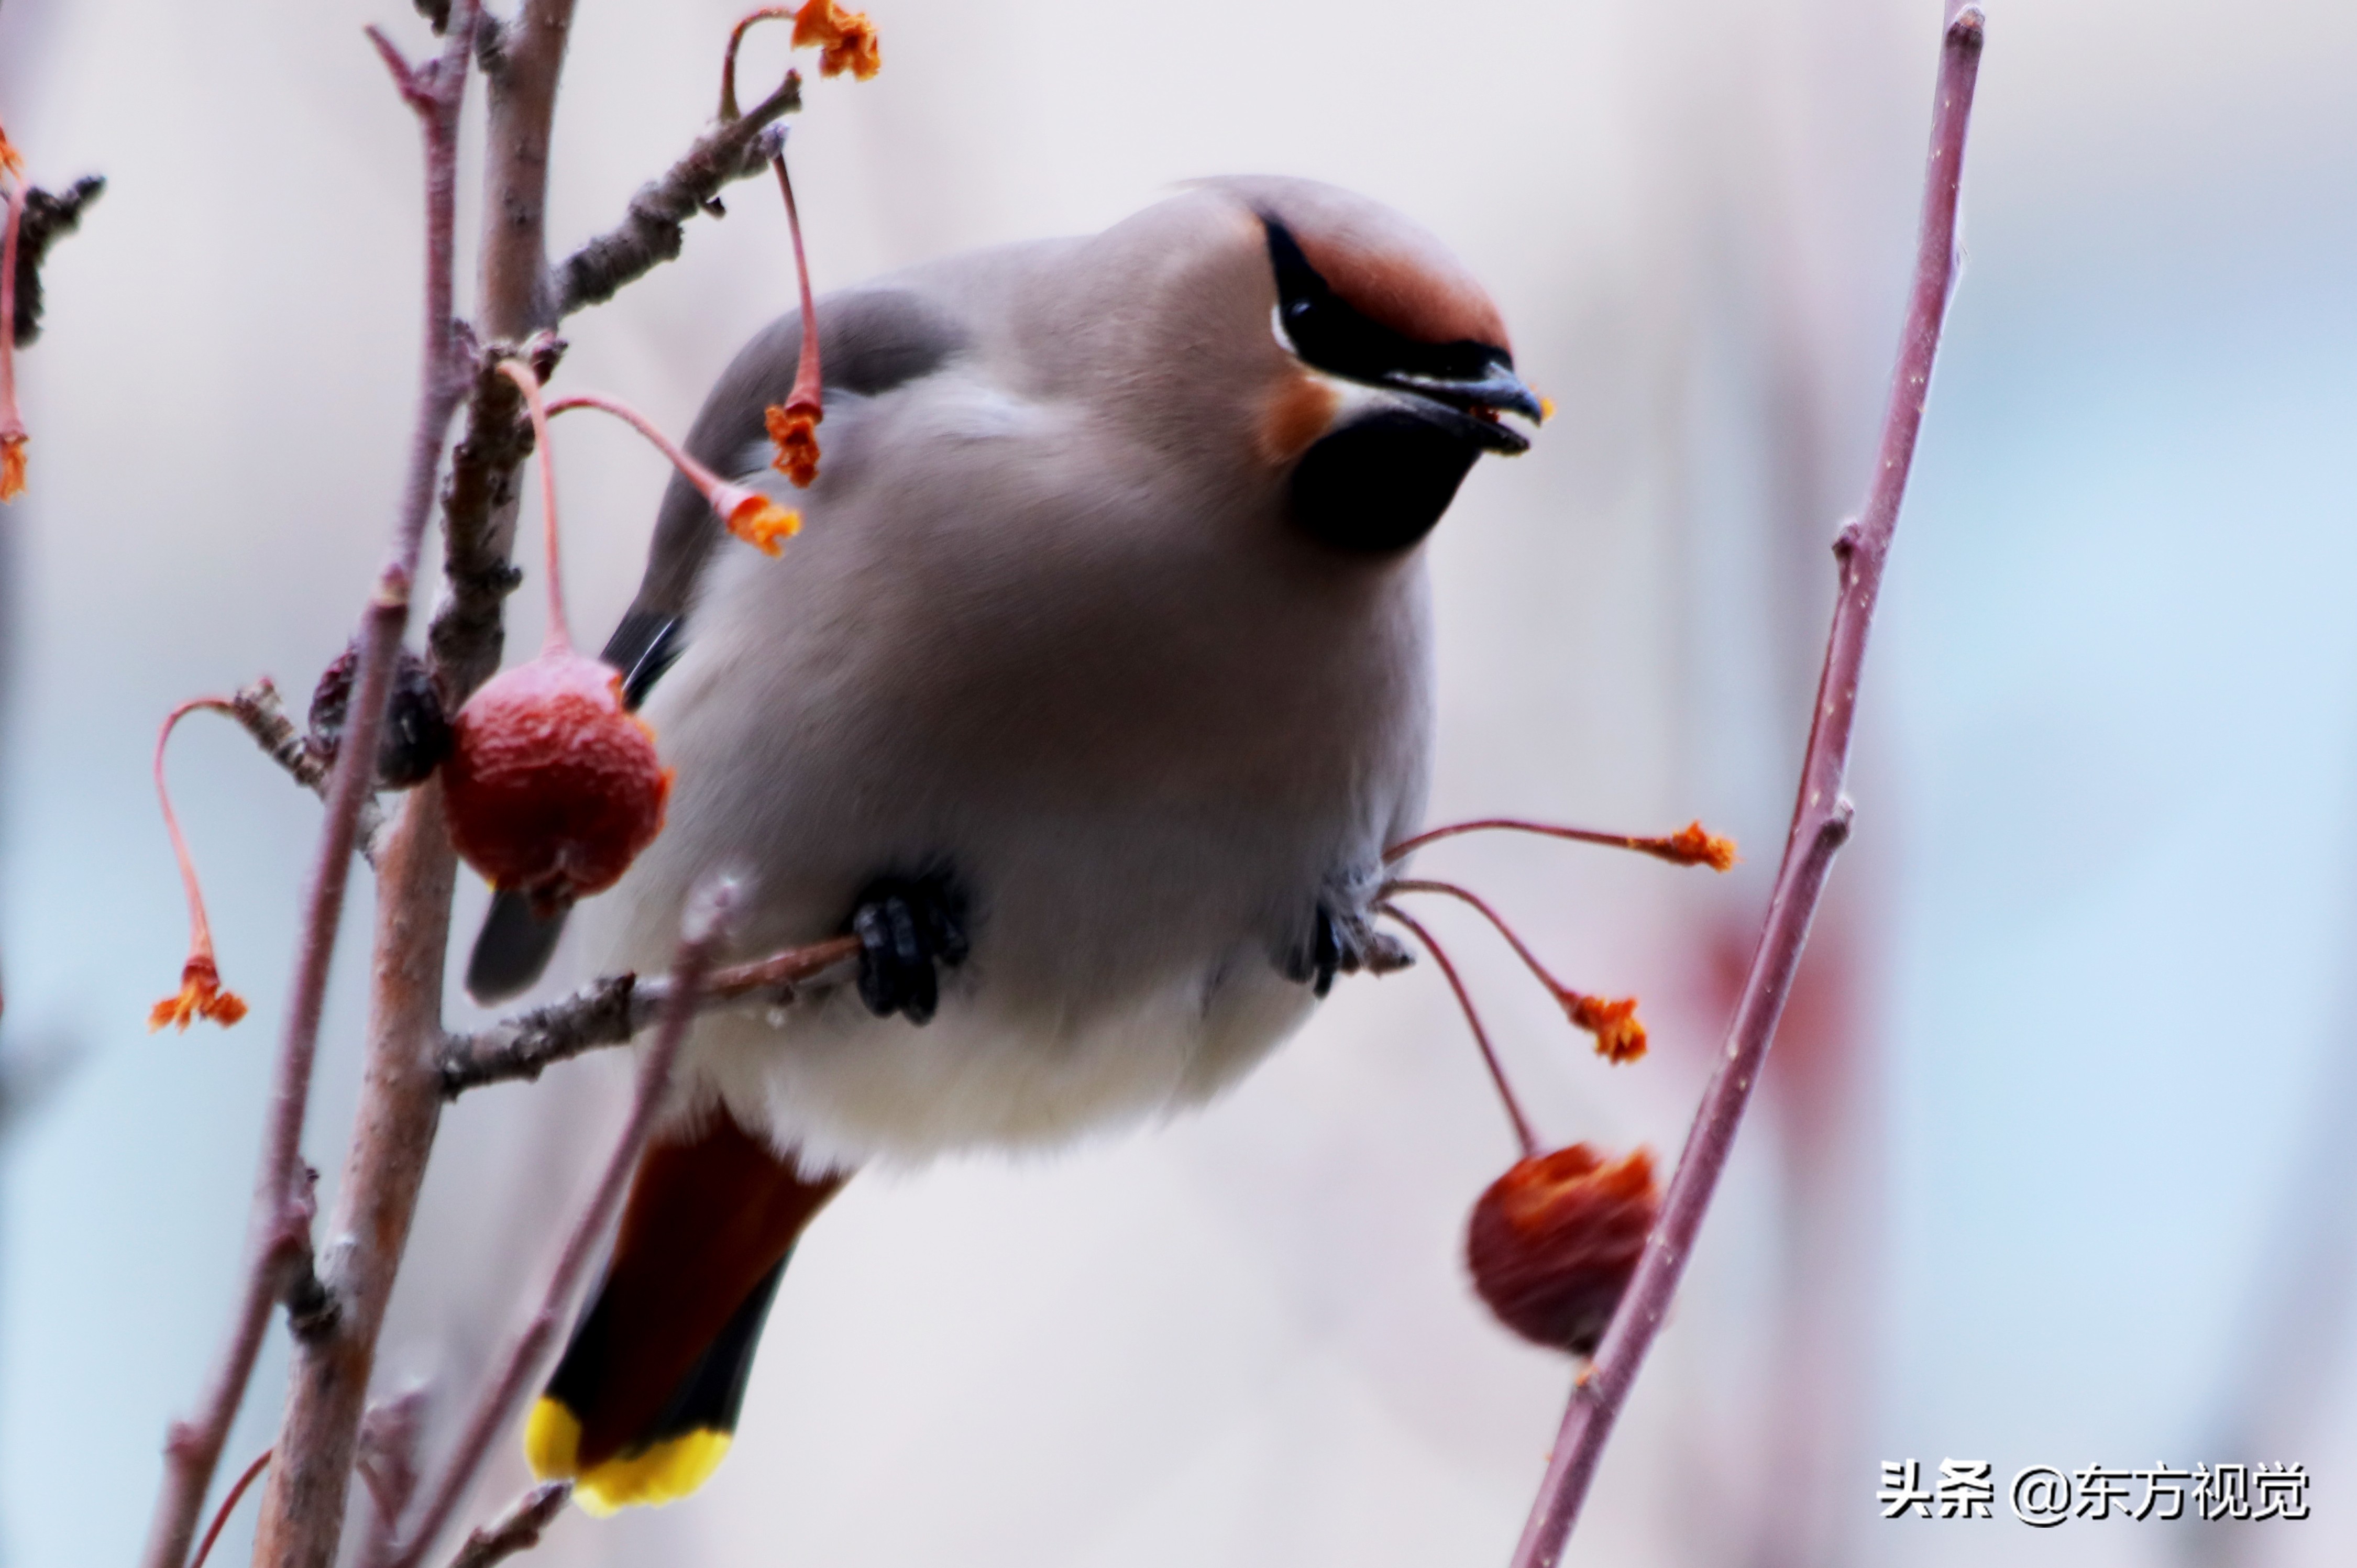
(1553,1242)
(552,786)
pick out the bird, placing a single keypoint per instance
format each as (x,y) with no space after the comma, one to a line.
(1089,699)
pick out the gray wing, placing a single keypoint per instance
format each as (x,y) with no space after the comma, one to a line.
(870,341)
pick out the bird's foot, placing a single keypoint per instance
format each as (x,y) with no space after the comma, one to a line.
(1344,942)
(909,929)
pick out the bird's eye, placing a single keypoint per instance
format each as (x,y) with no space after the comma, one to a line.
(1334,335)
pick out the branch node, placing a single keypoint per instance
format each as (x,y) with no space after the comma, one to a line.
(413,84)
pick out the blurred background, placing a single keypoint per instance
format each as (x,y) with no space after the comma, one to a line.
(2055,1160)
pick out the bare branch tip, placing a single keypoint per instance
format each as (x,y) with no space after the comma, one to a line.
(407,79)
(1965,32)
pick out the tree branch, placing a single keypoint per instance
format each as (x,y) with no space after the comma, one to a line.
(302,1507)
(46,218)
(611,1011)
(705,929)
(653,230)
(517,1530)
(1821,823)
(400,1093)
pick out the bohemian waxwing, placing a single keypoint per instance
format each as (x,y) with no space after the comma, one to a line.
(1089,698)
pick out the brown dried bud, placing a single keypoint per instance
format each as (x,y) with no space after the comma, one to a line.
(552,786)
(416,733)
(1552,1244)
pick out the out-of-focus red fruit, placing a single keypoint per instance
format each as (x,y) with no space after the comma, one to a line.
(552,786)
(1553,1242)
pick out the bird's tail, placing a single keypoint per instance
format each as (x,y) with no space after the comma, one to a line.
(643,1405)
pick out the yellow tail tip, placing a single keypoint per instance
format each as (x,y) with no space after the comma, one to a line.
(661,1473)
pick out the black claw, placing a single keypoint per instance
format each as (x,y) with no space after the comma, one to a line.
(1340,943)
(910,928)
(1326,953)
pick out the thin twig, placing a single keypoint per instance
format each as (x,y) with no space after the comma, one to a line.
(611,1012)
(705,931)
(302,1507)
(47,219)
(654,229)
(260,710)
(516,1529)
(1821,823)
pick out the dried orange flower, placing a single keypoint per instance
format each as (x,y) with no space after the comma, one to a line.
(1620,1036)
(795,432)
(200,994)
(12,463)
(845,39)
(201,997)
(1694,846)
(755,518)
(11,160)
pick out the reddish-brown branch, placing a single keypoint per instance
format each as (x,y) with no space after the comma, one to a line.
(302,1506)
(401,1092)
(1821,823)
(193,1449)
(611,1011)
(1522,1132)
(710,911)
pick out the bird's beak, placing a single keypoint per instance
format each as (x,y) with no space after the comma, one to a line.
(1478,401)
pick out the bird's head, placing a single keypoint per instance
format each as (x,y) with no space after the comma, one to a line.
(1358,362)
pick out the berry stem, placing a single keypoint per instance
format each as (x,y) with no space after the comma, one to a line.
(704,480)
(806,396)
(229,1504)
(560,634)
(749,514)
(1691,846)
(201,931)
(12,425)
(1562,993)
(1522,1132)
(729,56)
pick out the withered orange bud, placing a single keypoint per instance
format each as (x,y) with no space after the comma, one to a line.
(1552,1244)
(794,430)
(755,518)
(552,786)
(1619,1034)
(1695,845)
(12,464)
(845,39)
(201,997)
